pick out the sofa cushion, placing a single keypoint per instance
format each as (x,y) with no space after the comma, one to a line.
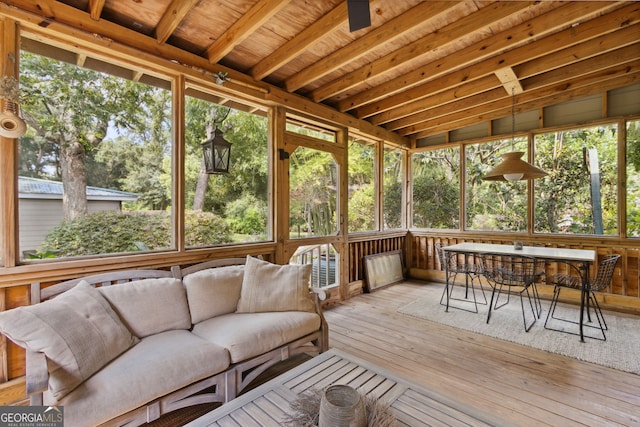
(158,365)
(246,335)
(214,291)
(78,331)
(268,287)
(150,306)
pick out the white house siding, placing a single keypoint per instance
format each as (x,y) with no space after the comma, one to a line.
(39,216)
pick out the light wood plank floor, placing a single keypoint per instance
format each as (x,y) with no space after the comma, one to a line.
(525,386)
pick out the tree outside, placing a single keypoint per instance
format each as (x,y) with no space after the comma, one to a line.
(564,202)
(91,128)
(633,178)
(361,186)
(436,188)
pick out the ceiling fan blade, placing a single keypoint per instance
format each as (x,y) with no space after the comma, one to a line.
(359,14)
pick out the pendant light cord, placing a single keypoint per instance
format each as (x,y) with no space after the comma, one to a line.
(513,119)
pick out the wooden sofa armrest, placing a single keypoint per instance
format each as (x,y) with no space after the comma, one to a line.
(37,378)
(320,293)
(318,296)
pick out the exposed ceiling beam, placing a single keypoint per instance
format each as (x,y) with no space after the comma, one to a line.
(571,37)
(493,46)
(446,95)
(607,61)
(577,61)
(95,9)
(98,36)
(425,45)
(391,30)
(171,18)
(249,22)
(301,42)
(419,110)
(558,79)
(538,99)
(484,99)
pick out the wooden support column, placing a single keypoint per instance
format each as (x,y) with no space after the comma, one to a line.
(279,181)
(9,155)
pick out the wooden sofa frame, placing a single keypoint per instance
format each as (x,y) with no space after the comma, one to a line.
(222,387)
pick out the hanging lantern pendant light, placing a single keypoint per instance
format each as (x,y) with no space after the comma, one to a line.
(217,152)
(513,168)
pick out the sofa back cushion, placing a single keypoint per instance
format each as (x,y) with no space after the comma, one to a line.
(214,291)
(78,331)
(272,287)
(150,306)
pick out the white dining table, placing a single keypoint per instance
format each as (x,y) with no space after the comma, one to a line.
(582,258)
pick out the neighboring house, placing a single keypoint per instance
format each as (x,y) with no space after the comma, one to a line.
(40,207)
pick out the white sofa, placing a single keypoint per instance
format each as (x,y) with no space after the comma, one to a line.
(162,340)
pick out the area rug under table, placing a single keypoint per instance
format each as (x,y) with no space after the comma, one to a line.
(619,351)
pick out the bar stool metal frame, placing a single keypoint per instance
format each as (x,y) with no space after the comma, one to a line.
(601,281)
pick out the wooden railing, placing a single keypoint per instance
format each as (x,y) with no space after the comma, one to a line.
(361,246)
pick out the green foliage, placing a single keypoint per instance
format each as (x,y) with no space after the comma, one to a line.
(361,187)
(74,110)
(313,195)
(361,208)
(247,215)
(248,171)
(436,188)
(109,232)
(392,187)
(563,199)
(494,205)
(633,145)
(205,229)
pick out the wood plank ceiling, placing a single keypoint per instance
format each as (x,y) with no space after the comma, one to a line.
(422,68)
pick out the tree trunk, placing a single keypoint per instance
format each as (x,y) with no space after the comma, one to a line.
(201,189)
(74,180)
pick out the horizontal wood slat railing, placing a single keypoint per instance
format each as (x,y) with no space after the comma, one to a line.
(624,292)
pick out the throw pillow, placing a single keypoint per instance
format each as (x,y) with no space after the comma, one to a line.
(78,331)
(150,306)
(272,287)
(214,291)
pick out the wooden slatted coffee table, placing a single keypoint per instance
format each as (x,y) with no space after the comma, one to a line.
(268,404)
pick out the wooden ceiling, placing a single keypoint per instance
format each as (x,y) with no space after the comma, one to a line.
(422,68)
